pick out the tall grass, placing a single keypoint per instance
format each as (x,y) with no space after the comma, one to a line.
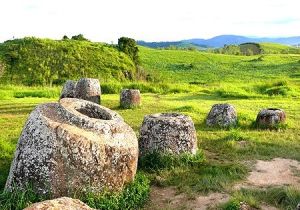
(133,196)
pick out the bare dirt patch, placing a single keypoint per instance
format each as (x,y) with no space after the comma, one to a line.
(168,198)
(277,172)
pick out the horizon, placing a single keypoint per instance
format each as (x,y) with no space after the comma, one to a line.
(153,21)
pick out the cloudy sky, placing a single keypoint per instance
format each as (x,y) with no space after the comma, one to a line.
(150,20)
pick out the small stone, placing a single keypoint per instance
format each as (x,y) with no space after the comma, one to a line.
(270,118)
(74,145)
(64,203)
(88,89)
(130,98)
(168,133)
(222,115)
(244,206)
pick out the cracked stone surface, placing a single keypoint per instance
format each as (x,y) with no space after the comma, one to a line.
(74,145)
(130,98)
(86,88)
(222,115)
(60,203)
(168,133)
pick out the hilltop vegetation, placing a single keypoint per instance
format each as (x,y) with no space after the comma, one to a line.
(33,61)
(257,48)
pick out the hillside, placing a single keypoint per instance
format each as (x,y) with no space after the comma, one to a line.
(191,66)
(251,48)
(273,48)
(178,44)
(46,62)
(220,41)
(252,76)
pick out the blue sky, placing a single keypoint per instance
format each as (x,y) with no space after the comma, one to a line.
(155,20)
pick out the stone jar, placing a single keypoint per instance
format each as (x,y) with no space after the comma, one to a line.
(222,115)
(71,146)
(168,133)
(269,118)
(63,203)
(68,90)
(86,88)
(130,98)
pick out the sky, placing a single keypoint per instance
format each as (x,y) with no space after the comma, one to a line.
(149,20)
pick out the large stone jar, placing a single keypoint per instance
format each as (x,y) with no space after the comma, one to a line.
(86,88)
(222,115)
(167,133)
(71,146)
(130,98)
(270,118)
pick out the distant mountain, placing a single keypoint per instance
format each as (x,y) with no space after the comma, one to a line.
(220,41)
(178,44)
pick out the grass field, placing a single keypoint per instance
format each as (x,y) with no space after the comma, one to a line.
(225,158)
(250,83)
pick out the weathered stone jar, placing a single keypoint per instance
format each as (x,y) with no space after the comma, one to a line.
(222,115)
(64,203)
(86,88)
(74,145)
(270,118)
(130,98)
(68,90)
(167,133)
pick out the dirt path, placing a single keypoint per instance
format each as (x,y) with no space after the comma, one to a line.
(277,172)
(167,198)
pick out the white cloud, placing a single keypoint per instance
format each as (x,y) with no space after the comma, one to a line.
(106,20)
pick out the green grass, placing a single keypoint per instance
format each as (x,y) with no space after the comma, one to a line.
(191,82)
(133,196)
(218,72)
(280,197)
(225,156)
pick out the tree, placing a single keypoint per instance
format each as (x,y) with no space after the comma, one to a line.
(129,47)
(79,37)
(65,37)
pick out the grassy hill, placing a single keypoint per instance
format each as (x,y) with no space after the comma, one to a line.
(169,45)
(251,75)
(46,62)
(251,48)
(273,48)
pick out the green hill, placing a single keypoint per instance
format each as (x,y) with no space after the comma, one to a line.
(226,75)
(257,48)
(193,66)
(46,62)
(273,48)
